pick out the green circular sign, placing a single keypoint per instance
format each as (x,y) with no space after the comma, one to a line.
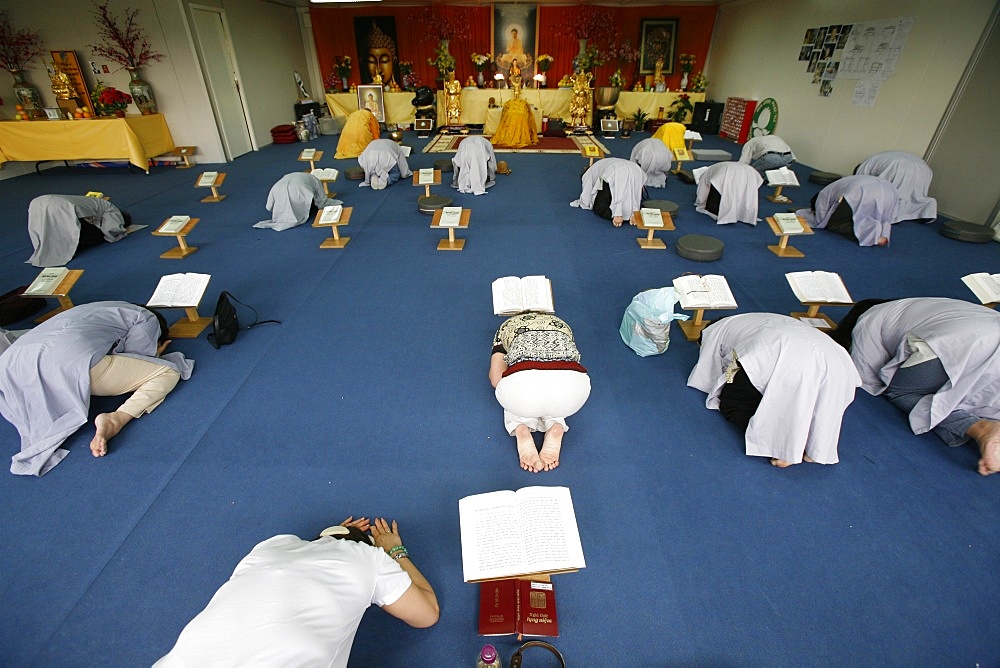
(765,118)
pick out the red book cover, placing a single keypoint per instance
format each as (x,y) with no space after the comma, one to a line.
(537,614)
(498,607)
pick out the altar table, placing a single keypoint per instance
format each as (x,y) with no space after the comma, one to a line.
(398,106)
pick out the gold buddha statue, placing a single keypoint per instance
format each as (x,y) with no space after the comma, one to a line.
(515,79)
(62,87)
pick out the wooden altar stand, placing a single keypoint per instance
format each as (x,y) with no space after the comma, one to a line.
(61,293)
(215,196)
(191,325)
(649,242)
(336,241)
(451,243)
(182,250)
(782,249)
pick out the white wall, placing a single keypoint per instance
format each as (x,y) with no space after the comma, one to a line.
(754,55)
(267,40)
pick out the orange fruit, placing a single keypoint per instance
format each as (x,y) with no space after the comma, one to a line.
(19,107)
(77,114)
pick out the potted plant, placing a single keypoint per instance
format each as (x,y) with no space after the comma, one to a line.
(17,49)
(678,111)
(124,41)
(113,100)
(687,64)
(699,83)
(638,120)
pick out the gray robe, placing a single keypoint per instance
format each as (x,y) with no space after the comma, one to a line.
(625,179)
(737,185)
(653,156)
(290,199)
(379,157)
(912,178)
(475,166)
(45,374)
(807,381)
(964,336)
(54,225)
(873,201)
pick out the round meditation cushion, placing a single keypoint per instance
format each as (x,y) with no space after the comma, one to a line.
(444,166)
(663,205)
(430,203)
(962,231)
(699,247)
(354,174)
(823,178)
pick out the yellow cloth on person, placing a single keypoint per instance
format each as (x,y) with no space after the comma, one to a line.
(360,130)
(517,126)
(671,134)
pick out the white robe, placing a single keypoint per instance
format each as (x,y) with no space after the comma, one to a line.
(806,379)
(475,166)
(290,199)
(655,159)
(54,225)
(964,336)
(737,185)
(379,157)
(625,179)
(912,178)
(758,146)
(873,201)
(45,374)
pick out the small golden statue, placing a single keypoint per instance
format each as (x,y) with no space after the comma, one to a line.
(62,87)
(377,78)
(453,99)
(579,106)
(658,73)
(515,79)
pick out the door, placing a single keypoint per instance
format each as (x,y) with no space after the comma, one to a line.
(222,77)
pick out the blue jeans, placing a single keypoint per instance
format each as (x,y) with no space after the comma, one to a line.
(771,161)
(393,174)
(911,384)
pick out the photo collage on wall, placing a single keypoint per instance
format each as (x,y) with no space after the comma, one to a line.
(821,51)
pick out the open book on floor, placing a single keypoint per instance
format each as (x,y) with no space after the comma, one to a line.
(47,281)
(509,534)
(706,292)
(179,290)
(819,286)
(513,295)
(986,287)
(524,607)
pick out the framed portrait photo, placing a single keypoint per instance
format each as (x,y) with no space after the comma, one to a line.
(370,98)
(658,39)
(54,113)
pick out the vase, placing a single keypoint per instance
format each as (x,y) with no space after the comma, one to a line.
(581,58)
(684,81)
(142,92)
(27,95)
(344,87)
(480,80)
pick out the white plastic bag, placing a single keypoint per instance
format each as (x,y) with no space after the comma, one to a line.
(645,326)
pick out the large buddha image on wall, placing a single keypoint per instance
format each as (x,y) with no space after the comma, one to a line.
(375,37)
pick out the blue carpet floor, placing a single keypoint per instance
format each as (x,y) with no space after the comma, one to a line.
(371,398)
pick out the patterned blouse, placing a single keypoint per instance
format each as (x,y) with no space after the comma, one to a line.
(536,341)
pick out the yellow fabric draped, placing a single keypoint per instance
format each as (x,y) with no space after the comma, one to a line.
(360,130)
(517,126)
(671,134)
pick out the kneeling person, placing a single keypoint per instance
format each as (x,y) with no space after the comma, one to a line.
(784,383)
(295,199)
(60,226)
(613,189)
(384,163)
(861,208)
(474,166)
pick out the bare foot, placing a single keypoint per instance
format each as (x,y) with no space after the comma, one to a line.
(617,221)
(526,450)
(807,458)
(987,435)
(780,463)
(551,446)
(882,241)
(108,425)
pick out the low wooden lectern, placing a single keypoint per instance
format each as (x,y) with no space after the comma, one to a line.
(184,152)
(427,186)
(182,250)
(813,312)
(336,241)
(649,242)
(782,249)
(777,197)
(313,160)
(591,156)
(451,243)
(190,326)
(61,293)
(215,196)
(692,328)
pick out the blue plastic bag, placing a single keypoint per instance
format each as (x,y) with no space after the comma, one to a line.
(645,326)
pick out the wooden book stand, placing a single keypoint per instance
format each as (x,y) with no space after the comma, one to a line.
(451,243)
(649,242)
(336,241)
(184,152)
(182,250)
(215,196)
(313,160)
(782,249)
(61,293)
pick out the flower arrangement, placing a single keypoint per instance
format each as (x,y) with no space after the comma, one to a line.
(342,65)
(678,111)
(616,79)
(439,24)
(686,61)
(590,58)
(443,61)
(699,83)
(331,83)
(113,100)
(481,61)
(123,41)
(544,62)
(17,47)
(588,21)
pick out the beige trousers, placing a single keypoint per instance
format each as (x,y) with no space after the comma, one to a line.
(149,382)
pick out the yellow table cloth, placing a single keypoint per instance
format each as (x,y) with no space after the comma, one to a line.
(629,102)
(550,102)
(398,106)
(135,138)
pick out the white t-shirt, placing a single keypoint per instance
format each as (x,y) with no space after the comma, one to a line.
(290,602)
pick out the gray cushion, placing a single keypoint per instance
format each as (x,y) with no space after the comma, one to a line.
(711,154)
(430,203)
(444,165)
(663,205)
(354,174)
(699,247)
(823,178)
(962,231)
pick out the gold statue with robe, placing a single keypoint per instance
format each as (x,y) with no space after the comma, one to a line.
(579,105)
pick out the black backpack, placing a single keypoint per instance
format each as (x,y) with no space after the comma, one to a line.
(226,323)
